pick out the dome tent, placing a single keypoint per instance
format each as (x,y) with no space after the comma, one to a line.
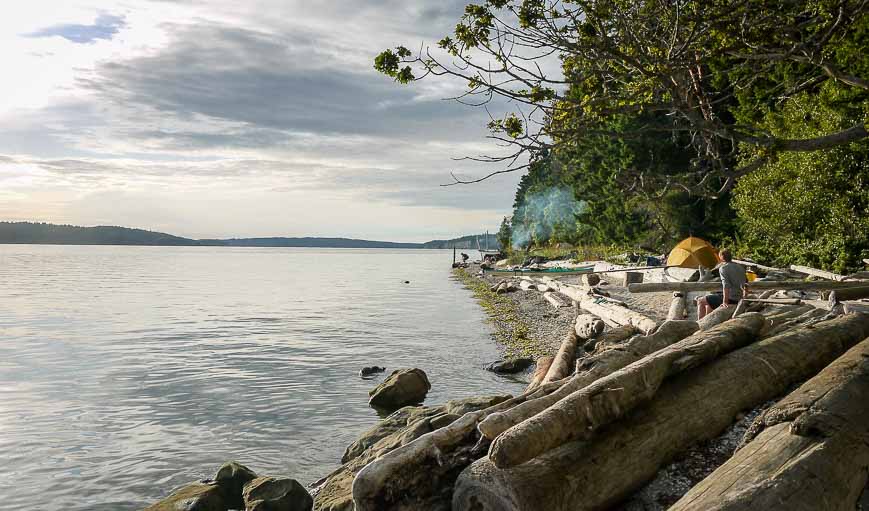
(693,252)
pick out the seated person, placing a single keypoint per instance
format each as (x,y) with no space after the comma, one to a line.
(733,281)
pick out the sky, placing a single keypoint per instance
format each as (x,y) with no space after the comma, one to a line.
(222,118)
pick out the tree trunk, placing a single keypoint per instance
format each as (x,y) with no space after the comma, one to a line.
(687,287)
(774,301)
(539,372)
(579,415)
(696,406)
(716,317)
(678,307)
(851,293)
(817,273)
(588,370)
(810,451)
(562,364)
(588,326)
(617,314)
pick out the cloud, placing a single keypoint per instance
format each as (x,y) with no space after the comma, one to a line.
(104,27)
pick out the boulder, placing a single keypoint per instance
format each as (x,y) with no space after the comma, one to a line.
(511,365)
(398,429)
(276,494)
(193,497)
(231,477)
(403,387)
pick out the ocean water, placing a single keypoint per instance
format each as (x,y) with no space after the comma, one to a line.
(128,371)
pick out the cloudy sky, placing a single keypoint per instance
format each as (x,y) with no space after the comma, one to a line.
(218,118)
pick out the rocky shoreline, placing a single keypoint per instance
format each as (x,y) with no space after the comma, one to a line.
(525,324)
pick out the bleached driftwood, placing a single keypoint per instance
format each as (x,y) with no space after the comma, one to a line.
(540,371)
(692,407)
(850,293)
(562,364)
(805,453)
(716,317)
(614,336)
(580,414)
(678,306)
(525,285)
(814,272)
(588,326)
(589,370)
(617,314)
(554,300)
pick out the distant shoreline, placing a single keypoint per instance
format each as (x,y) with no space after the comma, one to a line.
(30,233)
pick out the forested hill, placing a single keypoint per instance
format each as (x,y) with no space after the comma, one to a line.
(50,234)
(465,242)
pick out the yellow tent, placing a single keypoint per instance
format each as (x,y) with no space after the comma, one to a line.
(693,252)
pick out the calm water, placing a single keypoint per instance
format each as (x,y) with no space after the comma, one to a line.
(126,371)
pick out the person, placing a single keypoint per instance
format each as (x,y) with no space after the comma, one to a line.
(733,280)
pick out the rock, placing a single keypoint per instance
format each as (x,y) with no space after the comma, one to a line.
(193,497)
(509,366)
(398,429)
(276,494)
(370,370)
(231,477)
(403,387)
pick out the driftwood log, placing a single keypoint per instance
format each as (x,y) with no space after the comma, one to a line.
(562,364)
(678,307)
(554,300)
(814,272)
(716,317)
(618,314)
(810,451)
(540,371)
(695,406)
(851,293)
(588,326)
(686,287)
(582,413)
(588,370)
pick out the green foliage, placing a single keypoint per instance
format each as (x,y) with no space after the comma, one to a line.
(809,208)
(505,234)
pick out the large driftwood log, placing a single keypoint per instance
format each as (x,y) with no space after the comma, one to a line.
(716,317)
(562,364)
(695,406)
(588,326)
(810,451)
(814,272)
(678,306)
(540,371)
(554,300)
(588,370)
(686,287)
(582,413)
(617,314)
(851,293)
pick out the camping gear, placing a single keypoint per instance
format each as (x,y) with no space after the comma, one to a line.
(693,252)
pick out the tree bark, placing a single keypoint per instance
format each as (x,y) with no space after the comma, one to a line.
(817,273)
(687,287)
(678,307)
(562,364)
(539,372)
(582,413)
(716,317)
(810,451)
(588,326)
(696,406)
(588,370)
(617,314)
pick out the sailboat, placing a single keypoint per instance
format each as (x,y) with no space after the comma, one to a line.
(486,251)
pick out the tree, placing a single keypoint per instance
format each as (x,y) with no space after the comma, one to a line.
(699,63)
(505,234)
